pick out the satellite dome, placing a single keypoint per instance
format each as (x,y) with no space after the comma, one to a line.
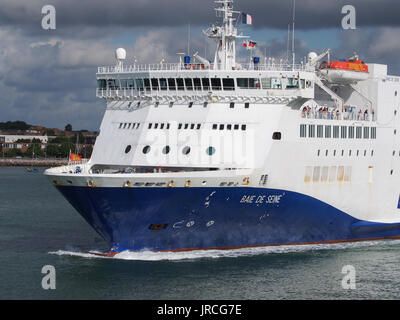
(312,56)
(120,54)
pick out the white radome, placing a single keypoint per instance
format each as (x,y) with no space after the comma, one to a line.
(120,54)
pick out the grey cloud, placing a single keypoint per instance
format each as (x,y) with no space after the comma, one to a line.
(311,14)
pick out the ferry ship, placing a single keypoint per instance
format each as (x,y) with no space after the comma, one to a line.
(219,154)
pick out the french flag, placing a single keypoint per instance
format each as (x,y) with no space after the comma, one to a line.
(247,19)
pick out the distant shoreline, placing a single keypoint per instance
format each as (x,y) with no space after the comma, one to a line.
(14,162)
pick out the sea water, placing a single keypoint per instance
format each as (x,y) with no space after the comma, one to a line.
(39,228)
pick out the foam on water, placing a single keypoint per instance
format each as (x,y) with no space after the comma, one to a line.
(215,254)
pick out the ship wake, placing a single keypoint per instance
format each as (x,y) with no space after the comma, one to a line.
(217,254)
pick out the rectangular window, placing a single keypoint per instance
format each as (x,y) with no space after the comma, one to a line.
(102,84)
(154,84)
(324,174)
(242,83)
(163,84)
(146,84)
(292,83)
(254,83)
(366,132)
(130,84)
(343,133)
(311,131)
(197,84)
(266,83)
(189,84)
(139,84)
(316,174)
(328,131)
(303,131)
(358,132)
(320,131)
(276,83)
(229,84)
(180,84)
(336,131)
(171,84)
(206,84)
(351,132)
(373,133)
(216,84)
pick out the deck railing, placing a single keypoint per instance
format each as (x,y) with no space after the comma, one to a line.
(199,67)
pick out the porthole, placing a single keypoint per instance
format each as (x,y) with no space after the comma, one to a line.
(146,149)
(210,151)
(128,149)
(276,136)
(166,150)
(186,150)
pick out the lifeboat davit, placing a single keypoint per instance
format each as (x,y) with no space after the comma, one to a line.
(344,71)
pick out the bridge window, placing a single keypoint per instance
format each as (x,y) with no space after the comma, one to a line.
(163,84)
(271,83)
(102,84)
(206,84)
(171,84)
(216,84)
(111,84)
(292,83)
(180,84)
(154,84)
(228,83)
(188,84)
(146,84)
(197,84)
(248,83)
(139,84)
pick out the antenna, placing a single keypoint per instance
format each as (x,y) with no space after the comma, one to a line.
(294,19)
(188,45)
(288,43)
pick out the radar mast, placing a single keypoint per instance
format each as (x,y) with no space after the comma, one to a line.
(225,35)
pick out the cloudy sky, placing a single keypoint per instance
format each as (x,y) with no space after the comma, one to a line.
(47,77)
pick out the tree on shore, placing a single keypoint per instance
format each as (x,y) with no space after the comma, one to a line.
(68,127)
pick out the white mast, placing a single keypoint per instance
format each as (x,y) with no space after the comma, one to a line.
(225,35)
(294,19)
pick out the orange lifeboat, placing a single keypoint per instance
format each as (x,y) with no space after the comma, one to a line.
(345,71)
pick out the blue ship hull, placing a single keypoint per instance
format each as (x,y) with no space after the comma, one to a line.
(175,219)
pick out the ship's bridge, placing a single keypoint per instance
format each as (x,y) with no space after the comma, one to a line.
(264,83)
